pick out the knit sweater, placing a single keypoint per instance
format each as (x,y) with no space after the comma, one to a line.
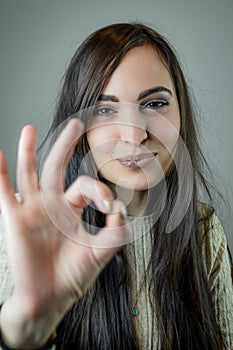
(216,259)
(138,252)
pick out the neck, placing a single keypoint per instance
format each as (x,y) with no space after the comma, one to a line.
(139,203)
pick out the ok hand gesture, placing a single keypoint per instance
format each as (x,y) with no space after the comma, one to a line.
(50,271)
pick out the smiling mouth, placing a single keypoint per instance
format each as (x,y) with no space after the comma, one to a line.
(138,161)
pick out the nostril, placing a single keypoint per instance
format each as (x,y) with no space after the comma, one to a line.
(135,137)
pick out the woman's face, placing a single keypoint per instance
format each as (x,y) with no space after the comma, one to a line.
(135,126)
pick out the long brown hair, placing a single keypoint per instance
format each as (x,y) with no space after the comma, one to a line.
(179,290)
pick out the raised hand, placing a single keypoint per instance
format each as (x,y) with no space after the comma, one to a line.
(50,271)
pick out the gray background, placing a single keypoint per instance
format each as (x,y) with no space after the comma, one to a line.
(38,37)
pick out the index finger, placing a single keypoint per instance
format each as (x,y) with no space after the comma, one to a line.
(53,173)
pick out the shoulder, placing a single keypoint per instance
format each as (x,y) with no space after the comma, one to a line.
(214,243)
(211,229)
(218,268)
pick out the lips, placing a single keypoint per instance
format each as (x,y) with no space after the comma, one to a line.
(137,161)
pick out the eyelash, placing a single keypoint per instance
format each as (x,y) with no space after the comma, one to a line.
(157,104)
(100,111)
(107,111)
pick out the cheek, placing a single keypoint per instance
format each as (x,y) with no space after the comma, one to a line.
(101,143)
(165,132)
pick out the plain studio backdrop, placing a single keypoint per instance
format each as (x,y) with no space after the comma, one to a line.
(38,38)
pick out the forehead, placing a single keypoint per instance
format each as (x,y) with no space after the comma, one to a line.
(140,69)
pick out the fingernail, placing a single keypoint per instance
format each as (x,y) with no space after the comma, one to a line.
(107,204)
(119,209)
(124,212)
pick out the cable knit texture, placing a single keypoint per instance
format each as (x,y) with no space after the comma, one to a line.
(218,270)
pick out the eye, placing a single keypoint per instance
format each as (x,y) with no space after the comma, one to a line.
(104,111)
(155,104)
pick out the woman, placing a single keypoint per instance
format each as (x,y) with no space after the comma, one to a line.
(158,278)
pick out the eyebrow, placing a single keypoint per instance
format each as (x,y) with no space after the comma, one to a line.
(143,94)
(103,97)
(151,91)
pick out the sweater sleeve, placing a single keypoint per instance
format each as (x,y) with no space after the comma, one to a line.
(219,276)
(6,285)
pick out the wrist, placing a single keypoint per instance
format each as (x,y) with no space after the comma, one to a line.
(18,331)
(50,345)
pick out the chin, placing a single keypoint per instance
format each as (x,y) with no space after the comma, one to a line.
(134,184)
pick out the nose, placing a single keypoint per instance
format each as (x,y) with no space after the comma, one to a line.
(133,134)
(133,128)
